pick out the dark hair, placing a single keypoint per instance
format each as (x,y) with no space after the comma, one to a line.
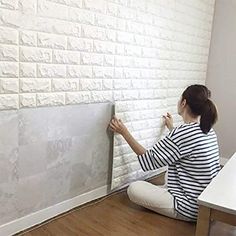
(198,99)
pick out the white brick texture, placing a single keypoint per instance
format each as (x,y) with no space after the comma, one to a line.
(138,54)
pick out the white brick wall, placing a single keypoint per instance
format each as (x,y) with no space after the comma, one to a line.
(61,52)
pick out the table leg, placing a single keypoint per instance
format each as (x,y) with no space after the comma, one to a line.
(203,221)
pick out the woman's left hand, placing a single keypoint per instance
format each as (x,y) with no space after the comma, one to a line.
(117,126)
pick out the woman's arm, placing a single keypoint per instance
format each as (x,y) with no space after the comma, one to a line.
(118,127)
(163,153)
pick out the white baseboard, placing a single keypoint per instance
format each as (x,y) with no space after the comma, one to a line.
(38,217)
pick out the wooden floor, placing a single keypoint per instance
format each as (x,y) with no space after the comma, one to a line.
(116,215)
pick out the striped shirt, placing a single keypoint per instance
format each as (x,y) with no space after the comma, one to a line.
(192,158)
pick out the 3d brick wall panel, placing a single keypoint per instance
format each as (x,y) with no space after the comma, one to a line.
(137,54)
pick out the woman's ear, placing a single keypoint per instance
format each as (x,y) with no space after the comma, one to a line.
(183,103)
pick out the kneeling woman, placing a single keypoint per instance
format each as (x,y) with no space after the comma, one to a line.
(190,151)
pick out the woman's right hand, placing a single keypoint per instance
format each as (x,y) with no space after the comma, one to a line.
(168,121)
(117,126)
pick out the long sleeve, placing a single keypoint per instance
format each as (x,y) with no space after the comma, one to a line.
(163,153)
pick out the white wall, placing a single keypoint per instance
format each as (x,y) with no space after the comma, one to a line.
(55,52)
(140,54)
(221,76)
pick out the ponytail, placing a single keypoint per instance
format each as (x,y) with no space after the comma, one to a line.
(209,116)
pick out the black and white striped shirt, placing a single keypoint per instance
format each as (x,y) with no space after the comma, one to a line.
(192,158)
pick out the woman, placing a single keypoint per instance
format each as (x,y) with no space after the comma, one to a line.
(190,151)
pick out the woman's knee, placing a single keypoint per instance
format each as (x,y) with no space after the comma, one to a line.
(134,189)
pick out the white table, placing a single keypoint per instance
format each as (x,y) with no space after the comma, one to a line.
(218,200)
